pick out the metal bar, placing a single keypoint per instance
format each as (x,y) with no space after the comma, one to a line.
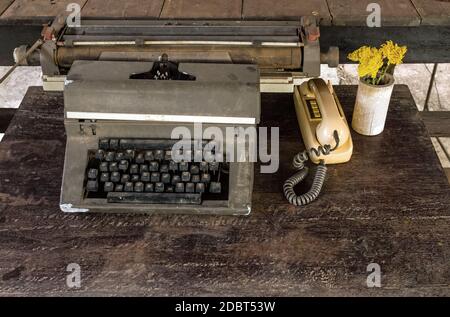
(220,43)
(35,46)
(430,87)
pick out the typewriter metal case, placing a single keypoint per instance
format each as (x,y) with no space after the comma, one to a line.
(101,101)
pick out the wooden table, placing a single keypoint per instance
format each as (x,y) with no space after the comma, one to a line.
(389,205)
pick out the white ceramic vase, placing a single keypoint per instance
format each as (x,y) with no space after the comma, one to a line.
(372,104)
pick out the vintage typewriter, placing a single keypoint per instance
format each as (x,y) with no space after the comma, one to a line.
(121,106)
(119,118)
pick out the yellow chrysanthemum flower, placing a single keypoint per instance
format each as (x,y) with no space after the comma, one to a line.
(370,62)
(393,52)
(359,53)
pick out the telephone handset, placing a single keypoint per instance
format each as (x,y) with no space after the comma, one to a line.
(325,133)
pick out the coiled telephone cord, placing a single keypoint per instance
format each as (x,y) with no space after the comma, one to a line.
(299,164)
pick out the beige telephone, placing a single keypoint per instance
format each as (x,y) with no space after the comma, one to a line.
(325,133)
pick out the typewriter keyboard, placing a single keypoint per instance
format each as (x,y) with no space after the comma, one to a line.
(141,171)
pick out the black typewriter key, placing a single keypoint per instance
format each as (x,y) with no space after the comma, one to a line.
(135,178)
(113,144)
(92,186)
(204,166)
(195,169)
(153,167)
(176,179)
(165,178)
(109,187)
(149,187)
(113,167)
(195,178)
(179,188)
(168,155)
(215,188)
(185,176)
(170,189)
(190,188)
(123,165)
(129,187)
(125,178)
(104,177)
(154,177)
(100,154)
(143,168)
(118,188)
(140,158)
(164,168)
(93,173)
(109,157)
(159,155)
(145,177)
(104,167)
(139,187)
(173,166)
(134,169)
(159,187)
(214,166)
(129,154)
(206,178)
(148,156)
(200,188)
(184,166)
(115,177)
(103,144)
(120,156)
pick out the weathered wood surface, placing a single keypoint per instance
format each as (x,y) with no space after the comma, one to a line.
(25,9)
(336,12)
(123,9)
(285,10)
(437,123)
(6,115)
(393,13)
(390,205)
(201,9)
(433,12)
(4,4)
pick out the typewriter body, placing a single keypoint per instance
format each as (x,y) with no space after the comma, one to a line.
(120,111)
(119,137)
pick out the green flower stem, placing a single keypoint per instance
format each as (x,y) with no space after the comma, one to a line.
(383,73)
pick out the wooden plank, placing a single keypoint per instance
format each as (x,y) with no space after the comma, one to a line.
(393,13)
(24,9)
(384,206)
(122,9)
(201,9)
(285,10)
(4,4)
(6,115)
(437,123)
(433,12)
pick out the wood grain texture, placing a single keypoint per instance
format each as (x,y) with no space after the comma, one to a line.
(285,10)
(393,13)
(433,12)
(4,4)
(6,115)
(389,205)
(201,9)
(123,9)
(437,123)
(26,9)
